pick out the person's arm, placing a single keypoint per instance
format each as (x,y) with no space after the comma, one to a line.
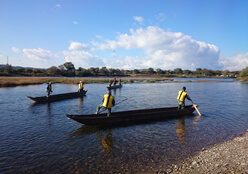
(113,102)
(187,96)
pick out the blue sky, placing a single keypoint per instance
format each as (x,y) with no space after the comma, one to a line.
(125,34)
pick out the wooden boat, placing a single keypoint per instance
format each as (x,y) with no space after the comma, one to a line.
(115,86)
(57,97)
(132,116)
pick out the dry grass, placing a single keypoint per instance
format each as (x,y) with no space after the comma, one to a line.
(21,81)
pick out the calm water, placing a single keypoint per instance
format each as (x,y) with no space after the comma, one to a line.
(40,138)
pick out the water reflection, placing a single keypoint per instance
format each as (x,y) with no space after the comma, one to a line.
(116,91)
(180,129)
(106,140)
(80,100)
(104,136)
(48,108)
(86,129)
(196,119)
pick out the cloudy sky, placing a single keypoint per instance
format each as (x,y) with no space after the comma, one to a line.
(125,34)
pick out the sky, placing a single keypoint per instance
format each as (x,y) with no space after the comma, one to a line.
(125,34)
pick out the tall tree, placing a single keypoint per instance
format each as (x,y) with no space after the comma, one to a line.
(178,71)
(104,70)
(69,66)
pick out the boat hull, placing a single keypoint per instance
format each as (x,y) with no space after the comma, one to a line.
(114,87)
(58,97)
(132,116)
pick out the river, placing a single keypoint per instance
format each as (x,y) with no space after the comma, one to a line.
(40,138)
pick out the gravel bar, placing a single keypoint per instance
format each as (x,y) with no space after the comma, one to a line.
(227,157)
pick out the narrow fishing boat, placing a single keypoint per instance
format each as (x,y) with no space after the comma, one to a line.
(132,116)
(57,97)
(115,86)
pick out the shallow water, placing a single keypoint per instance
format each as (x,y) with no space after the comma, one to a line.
(40,138)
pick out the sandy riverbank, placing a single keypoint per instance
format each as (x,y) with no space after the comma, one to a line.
(227,157)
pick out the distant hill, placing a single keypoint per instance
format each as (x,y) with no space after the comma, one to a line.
(15,67)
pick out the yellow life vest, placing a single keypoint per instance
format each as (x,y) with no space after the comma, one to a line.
(108,100)
(181,95)
(80,85)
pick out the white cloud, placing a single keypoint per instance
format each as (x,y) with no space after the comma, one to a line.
(14,49)
(235,63)
(161,17)
(162,49)
(75,22)
(78,46)
(138,19)
(78,55)
(82,59)
(37,54)
(58,5)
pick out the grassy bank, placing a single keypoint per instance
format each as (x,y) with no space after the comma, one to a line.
(21,81)
(242,79)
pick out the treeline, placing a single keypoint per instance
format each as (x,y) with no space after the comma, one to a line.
(69,70)
(243,76)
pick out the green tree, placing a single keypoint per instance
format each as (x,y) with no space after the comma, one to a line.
(28,70)
(93,71)
(150,71)
(198,71)
(159,71)
(70,68)
(187,72)
(53,70)
(178,71)
(104,70)
(18,71)
(244,72)
(8,69)
(136,71)
(112,71)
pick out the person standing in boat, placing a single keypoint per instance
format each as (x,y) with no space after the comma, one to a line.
(120,82)
(108,101)
(81,86)
(114,83)
(181,98)
(110,83)
(49,89)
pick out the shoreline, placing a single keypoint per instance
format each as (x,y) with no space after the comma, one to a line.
(24,81)
(227,157)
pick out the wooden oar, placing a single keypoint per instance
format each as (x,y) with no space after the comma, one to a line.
(195,106)
(116,104)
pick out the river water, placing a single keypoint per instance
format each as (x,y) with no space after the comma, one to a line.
(40,138)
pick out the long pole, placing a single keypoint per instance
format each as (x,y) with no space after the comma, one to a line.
(195,106)
(123,100)
(116,104)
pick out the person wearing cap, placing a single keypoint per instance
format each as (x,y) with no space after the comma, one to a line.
(108,101)
(181,98)
(49,89)
(81,86)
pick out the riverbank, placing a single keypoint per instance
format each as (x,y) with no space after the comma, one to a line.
(21,81)
(242,79)
(227,157)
